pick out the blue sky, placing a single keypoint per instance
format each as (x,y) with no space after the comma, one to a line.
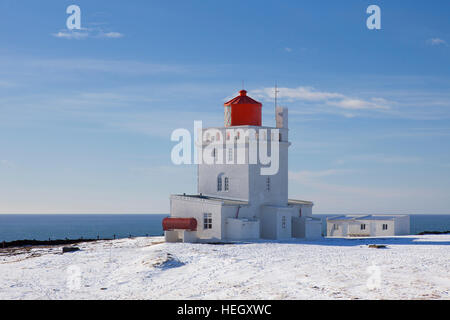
(86,116)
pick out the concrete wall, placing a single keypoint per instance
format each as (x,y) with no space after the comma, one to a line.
(239,229)
(180,236)
(237,175)
(245,180)
(331,232)
(313,229)
(378,228)
(374,228)
(402,225)
(272,222)
(284,231)
(185,207)
(306,228)
(302,210)
(298,227)
(306,210)
(268,219)
(354,229)
(172,236)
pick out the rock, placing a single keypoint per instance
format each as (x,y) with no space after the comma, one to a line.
(70,249)
(377,246)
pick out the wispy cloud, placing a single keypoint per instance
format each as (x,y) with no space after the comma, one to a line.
(299,93)
(311,95)
(436,42)
(306,175)
(406,104)
(380,158)
(85,33)
(111,35)
(77,35)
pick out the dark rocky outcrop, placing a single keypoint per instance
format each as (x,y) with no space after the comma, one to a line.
(433,232)
(70,249)
(23,243)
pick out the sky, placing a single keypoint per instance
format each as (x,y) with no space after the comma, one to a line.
(86,115)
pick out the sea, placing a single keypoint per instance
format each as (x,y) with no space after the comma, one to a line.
(109,226)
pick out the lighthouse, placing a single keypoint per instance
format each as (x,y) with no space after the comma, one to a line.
(242,183)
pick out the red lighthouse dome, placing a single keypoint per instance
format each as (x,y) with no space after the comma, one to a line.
(242,111)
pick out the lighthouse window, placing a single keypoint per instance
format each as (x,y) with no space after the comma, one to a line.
(227,184)
(219,183)
(268,184)
(385,226)
(207,221)
(363,227)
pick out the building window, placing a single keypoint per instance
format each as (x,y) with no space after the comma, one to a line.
(363,227)
(230,154)
(207,221)
(283,222)
(335,226)
(268,184)
(227,184)
(219,183)
(385,226)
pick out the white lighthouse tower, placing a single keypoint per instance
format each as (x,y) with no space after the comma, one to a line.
(242,183)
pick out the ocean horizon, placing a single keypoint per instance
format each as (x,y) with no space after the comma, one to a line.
(74,226)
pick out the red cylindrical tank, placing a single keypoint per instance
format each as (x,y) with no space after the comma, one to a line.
(244,111)
(179,223)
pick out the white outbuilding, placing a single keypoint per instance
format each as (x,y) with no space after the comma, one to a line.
(373,225)
(237,197)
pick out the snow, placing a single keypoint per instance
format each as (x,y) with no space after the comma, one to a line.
(411,267)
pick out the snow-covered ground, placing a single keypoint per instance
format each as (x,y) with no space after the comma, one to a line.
(411,267)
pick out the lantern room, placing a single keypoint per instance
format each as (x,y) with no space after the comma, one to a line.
(242,111)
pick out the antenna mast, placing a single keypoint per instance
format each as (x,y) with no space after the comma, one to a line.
(276,97)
